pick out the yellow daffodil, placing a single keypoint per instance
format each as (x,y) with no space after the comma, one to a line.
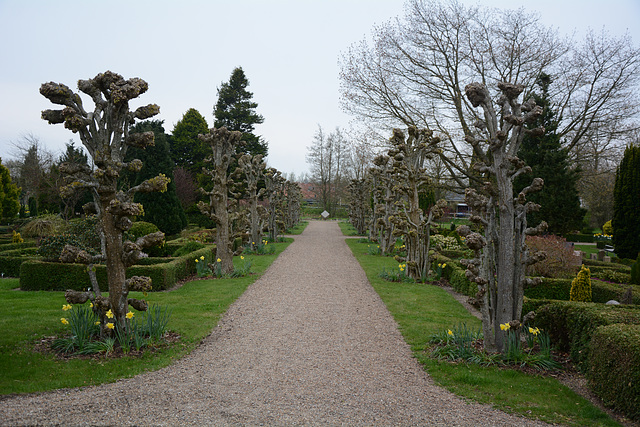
(450,332)
(219,260)
(129,315)
(110,314)
(64,321)
(439,265)
(67,307)
(241,257)
(444,265)
(97,322)
(197,260)
(202,257)
(535,331)
(110,326)
(504,326)
(90,305)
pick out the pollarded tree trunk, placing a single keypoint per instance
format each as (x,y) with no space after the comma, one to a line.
(252,168)
(223,145)
(105,134)
(501,256)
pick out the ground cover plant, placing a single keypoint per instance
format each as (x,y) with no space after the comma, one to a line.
(34,319)
(423,311)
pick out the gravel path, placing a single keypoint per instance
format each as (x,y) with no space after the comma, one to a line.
(309,343)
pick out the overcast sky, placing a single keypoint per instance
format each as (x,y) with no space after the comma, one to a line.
(185,49)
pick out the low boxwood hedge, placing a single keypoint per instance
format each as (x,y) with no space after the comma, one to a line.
(614,367)
(11,246)
(579,238)
(571,324)
(595,265)
(52,276)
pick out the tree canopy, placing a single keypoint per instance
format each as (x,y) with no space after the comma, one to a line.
(187,151)
(236,111)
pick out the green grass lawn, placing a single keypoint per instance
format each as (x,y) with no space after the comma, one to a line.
(422,310)
(297,229)
(27,317)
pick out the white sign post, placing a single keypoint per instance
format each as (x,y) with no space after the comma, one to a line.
(325,214)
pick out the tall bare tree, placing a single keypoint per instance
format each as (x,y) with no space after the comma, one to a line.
(414,71)
(104,132)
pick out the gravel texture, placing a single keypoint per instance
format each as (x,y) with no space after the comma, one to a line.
(309,343)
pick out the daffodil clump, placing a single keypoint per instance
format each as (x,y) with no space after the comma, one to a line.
(396,275)
(259,248)
(202,266)
(214,269)
(84,324)
(462,344)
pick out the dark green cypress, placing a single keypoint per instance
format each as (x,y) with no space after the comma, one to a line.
(162,209)
(626,205)
(559,199)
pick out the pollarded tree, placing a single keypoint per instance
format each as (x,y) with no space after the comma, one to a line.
(626,205)
(9,193)
(223,143)
(235,110)
(104,132)
(275,185)
(162,209)
(408,156)
(252,168)
(501,254)
(187,151)
(385,204)
(360,204)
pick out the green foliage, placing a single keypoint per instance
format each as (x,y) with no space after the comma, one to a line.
(635,272)
(235,110)
(559,289)
(86,229)
(160,208)
(187,151)
(581,286)
(9,193)
(614,367)
(626,205)
(559,200)
(140,229)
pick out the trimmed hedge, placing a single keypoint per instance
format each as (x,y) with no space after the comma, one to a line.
(614,367)
(571,324)
(558,289)
(11,246)
(53,276)
(595,265)
(579,238)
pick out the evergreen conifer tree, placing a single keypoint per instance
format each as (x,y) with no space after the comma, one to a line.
(187,151)
(626,205)
(559,200)
(162,209)
(9,192)
(235,110)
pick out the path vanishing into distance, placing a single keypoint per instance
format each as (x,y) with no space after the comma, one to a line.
(309,343)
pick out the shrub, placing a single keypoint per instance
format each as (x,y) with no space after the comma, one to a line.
(44,225)
(37,275)
(87,231)
(581,286)
(607,228)
(51,247)
(187,248)
(635,272)
(560,260)
(614,367)
(449,243)
(571,324)
(140,229)
(559,289)
(580,238)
